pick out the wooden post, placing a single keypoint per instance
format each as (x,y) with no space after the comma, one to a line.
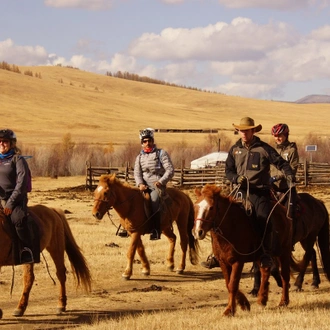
(182,172)
(305,172)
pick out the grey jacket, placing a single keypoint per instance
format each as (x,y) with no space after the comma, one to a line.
(152,167)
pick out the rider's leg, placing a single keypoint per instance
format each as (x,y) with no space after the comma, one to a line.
(156,215)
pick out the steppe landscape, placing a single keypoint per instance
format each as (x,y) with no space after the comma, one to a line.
(97,110)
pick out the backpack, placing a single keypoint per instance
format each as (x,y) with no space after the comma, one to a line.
(29,181)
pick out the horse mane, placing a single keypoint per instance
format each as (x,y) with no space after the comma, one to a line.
(112,179)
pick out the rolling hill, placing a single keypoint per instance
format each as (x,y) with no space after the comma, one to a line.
(98,109)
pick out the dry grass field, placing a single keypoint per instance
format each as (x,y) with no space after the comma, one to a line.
(163,300)
(98,110)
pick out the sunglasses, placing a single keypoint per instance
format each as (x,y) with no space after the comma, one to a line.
(146,140)
(4,141)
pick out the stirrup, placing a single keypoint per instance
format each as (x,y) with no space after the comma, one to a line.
(122,233)
(154,235)
(26,256)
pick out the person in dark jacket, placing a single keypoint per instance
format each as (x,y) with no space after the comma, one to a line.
(289,151)
(248,165)
(14,176)
(153,169)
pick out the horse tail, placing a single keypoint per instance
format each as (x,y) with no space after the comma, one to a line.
(323,242)
(193,243)
(77,260)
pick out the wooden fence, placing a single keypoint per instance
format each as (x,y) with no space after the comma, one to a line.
(308,174)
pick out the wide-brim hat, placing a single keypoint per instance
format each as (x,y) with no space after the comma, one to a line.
(247,123)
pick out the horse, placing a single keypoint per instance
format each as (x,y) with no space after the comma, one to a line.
(312,225)
(129,203)
(236,241)
(57,238)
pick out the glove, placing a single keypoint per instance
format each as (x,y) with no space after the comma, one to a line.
(290,180)
(272,179)
(7,211)
(241,179)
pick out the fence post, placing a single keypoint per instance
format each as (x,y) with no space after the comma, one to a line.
(182,173)
(305,172)
(126,171)
(89,175)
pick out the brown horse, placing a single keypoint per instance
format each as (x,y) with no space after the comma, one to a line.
(56,237)
(128,202)
(312,226)
(235,241)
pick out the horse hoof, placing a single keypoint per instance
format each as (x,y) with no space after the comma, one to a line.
(126,277)
(18,312)
(170,268)
(60,310)
(146,272)
(179,271)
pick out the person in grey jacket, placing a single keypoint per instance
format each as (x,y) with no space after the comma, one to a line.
(153,169)
(14,176)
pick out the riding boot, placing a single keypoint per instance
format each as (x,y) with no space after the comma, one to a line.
(155,233)
(267,244)
(26,255)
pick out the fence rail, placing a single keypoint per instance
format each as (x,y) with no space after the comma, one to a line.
(308,174)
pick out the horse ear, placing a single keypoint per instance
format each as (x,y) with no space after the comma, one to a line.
(198,192)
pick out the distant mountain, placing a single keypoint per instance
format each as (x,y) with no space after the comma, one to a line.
(314,99)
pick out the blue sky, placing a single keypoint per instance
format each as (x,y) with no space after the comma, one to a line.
(265,49)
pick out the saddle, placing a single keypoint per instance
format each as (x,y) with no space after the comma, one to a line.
(16,244)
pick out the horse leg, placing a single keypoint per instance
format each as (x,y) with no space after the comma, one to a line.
(242,301)
(285,274)
(135,237)
(143,257)
(28,279)
(182,227)
(264,286)
(304,264)
(168,232)
(256,279)
(234,275)
(56,250)
(316,275)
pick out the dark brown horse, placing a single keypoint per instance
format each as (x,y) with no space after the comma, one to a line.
(312,226)
(129,203)
(235,241)
(56,237)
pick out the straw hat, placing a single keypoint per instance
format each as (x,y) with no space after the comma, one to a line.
(247,123)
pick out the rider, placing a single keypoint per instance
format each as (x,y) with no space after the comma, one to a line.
(14,176)
(152,171)
(288,150)
(248,165)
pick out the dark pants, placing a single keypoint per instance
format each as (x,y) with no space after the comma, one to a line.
(260,199)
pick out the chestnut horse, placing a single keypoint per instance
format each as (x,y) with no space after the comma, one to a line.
(235,241)
(56,237)
(129,203)
(312,226)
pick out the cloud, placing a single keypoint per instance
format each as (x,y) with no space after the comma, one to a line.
(81,4)
(241,39)
(282,5)
(13,54)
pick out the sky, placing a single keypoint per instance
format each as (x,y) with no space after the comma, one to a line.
(261,49)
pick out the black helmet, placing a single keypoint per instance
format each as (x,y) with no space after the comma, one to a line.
(8,134)
(147,133)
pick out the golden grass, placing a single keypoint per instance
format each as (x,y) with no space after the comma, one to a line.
(100,109)
(195,300)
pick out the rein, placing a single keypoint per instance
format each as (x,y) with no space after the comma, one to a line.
(217,229)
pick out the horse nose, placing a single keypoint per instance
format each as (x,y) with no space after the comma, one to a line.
(97,215)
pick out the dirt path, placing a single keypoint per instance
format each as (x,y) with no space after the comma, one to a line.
(111,296)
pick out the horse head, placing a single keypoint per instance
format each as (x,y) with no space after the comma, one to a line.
(104,196)
(205,210)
